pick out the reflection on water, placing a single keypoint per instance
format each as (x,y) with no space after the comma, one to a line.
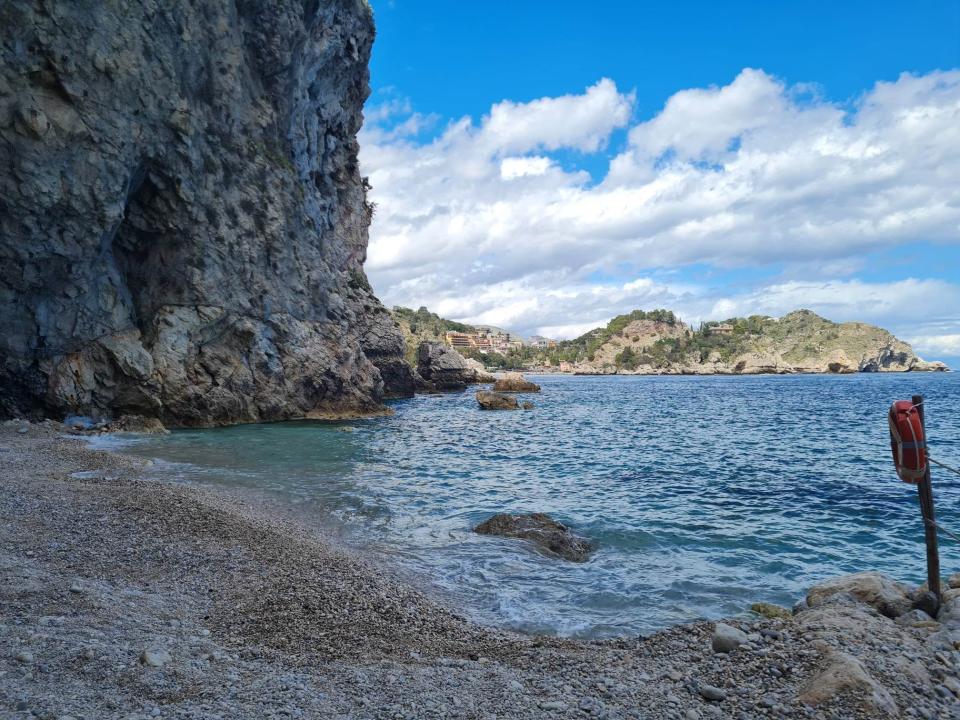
(704,494)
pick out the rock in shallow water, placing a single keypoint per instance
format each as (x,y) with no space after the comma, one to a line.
(496,401)
(441,369)
(540,529)
(515,382)
(769,610)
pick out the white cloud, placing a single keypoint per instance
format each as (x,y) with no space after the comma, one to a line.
(936,345)
(514,167)
(583,122)
(486,223)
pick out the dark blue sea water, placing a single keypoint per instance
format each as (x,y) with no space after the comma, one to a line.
(704,494)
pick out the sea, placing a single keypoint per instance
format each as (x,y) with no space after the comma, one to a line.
(703,495)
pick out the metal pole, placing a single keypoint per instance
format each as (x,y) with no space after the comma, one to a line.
(925,492)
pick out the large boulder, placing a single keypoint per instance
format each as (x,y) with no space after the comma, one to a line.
(843,674)
(541,530)
(480,372)
(885,595)
(496,401)
(442,369)
(515,382)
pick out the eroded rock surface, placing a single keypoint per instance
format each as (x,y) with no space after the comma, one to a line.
(541,530)
(497,401)
(441,368)
(515,382)
(885,595)
(182,220)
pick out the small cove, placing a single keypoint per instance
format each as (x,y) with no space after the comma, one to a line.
(704,494)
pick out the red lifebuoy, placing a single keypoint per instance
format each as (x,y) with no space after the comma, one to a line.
(907,442)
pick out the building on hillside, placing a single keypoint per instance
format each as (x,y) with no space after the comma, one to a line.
(458,339)
(721,329)
(541,343)
(483,340)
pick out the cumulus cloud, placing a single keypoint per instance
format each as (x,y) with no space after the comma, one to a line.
(492,221)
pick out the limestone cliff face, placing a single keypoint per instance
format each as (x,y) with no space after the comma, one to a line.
(182,220)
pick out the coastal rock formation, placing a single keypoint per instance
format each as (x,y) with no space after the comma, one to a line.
(496,401)
(886,596)
(515,382)
(541,530)
(441,368)
(844,674)
(182,219)
(656,342)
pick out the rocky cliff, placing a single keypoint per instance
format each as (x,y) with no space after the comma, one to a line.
(182,220)
(799,342)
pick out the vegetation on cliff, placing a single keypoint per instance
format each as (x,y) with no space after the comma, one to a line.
(421,325)
(654,341)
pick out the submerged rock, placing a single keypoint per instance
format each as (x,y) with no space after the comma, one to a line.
(496,401)
(885,595)
(541,530)
(515,382)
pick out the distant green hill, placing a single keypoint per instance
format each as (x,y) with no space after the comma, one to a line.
(801,341)
(658,342)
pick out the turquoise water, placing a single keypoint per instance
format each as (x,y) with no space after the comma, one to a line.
(704,494)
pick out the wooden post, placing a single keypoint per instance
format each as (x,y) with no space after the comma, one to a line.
(925,491)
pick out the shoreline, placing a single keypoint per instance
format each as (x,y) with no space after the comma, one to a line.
(129,597)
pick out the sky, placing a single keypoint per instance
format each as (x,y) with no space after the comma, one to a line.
(545,166)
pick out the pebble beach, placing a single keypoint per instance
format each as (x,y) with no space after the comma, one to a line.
(131,598)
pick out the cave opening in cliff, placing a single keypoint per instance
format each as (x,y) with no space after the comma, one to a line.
(144,247)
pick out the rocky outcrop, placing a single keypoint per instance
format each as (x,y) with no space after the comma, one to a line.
(541,530)
(497,401)
(886,596)
(514,382)
(844,674)
(799,342)
(182,220)
(442,369)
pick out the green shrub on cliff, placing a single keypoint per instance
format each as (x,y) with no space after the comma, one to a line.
(422,325)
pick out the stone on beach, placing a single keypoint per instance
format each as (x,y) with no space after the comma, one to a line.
(727,638)
(540,529)
(710,692)
(885,595)
(845,674)
(496,401)
(769,610)
(514,382)
(155,657)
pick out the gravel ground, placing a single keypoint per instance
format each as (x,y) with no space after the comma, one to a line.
(126,598)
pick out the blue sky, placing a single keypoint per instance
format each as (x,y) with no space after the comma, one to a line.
(548,165)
